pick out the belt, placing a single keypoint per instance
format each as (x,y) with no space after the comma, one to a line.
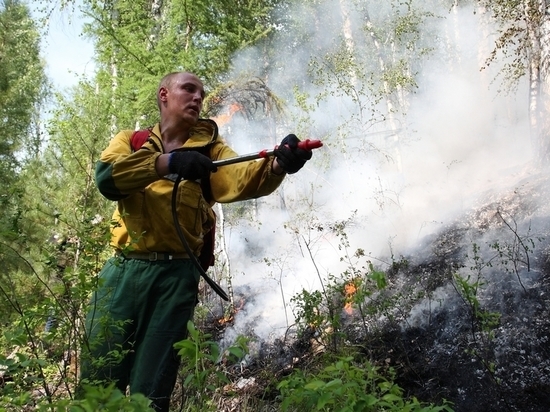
(153,256)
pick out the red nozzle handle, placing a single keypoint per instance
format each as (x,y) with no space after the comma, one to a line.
(309,144)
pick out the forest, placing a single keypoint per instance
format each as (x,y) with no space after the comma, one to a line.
(405,268)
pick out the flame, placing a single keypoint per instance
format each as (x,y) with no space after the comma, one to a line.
(226,319)
(226,118)
(229,316)
(349,290)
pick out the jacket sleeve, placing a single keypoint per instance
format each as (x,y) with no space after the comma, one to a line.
(241,181)
(119,172)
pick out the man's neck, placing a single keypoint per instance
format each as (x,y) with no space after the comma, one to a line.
(173,134)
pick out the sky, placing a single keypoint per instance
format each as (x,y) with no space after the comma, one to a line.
(68,55)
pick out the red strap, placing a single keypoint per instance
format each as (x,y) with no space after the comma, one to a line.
(138,138)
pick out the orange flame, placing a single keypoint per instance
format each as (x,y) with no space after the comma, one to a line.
(230,314)
(223,119)
(226,319)
(349,290)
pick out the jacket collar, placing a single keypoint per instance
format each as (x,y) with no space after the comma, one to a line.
(205,132)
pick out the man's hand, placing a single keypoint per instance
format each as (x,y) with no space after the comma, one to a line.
(289,156)
(191,165)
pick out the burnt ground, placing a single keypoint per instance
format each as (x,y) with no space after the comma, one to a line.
(484,349)
(492,352)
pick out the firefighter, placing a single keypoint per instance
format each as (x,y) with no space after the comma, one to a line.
(148,290)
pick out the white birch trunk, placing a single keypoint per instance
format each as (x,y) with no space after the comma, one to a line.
(222,257)
(156,15)
(543,148)
(348,37)
(534,68)
(157,18)
(114,70)
(390,107)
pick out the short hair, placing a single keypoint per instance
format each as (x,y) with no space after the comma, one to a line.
(166,82)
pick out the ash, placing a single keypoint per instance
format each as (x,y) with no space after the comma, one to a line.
(485,348)
(473,321)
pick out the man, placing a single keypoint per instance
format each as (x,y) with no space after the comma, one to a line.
(148,291)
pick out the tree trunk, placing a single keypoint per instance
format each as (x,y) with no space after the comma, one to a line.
(348,36)
(390,106)
(222,255)
(542,77)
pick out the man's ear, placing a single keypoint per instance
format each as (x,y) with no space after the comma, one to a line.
(163,92)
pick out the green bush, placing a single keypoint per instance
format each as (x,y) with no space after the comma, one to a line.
(104,399)
(345,387)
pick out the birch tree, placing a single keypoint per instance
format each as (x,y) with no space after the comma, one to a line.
(143,40)
(369,62)
(523,45)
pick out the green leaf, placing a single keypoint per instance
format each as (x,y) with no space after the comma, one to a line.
(314,385)
(334,382)
(323,400)
(390,397)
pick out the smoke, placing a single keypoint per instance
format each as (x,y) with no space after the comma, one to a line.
(386,185)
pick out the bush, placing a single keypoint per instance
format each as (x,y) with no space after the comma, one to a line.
(345,387)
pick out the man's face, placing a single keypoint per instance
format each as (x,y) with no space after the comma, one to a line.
(183,98)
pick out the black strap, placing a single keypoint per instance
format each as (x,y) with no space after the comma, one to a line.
(217,288)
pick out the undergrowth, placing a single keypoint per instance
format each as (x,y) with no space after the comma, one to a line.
(40,343)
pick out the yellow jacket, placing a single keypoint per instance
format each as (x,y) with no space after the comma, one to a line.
(143,219)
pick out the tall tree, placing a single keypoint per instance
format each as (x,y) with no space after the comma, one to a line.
(365,54)
(523,43)
(138,42)
(22,89)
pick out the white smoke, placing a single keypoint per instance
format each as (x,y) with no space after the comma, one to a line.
(459,138)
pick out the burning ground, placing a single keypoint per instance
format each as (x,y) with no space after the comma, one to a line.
(465,317)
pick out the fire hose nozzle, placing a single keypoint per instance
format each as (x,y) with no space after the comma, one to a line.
(307,144)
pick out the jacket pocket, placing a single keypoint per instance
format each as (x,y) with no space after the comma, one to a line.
(133,211)
(190,209)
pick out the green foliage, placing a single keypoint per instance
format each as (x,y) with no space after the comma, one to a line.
(22,91)
(511,252)
(468,289)
(347,386)
(307,305)
(22,80)
(358,287)
(54,255)
(199,355)
(147,42)
(101,398)
(357,64)
(518,29)
(201,369)
(44,337)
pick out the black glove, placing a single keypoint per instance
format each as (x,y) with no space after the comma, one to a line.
(289,156)
(190,165)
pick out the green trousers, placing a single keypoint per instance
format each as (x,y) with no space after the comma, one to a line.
(139,311)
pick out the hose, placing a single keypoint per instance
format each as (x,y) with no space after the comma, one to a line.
(217,288)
